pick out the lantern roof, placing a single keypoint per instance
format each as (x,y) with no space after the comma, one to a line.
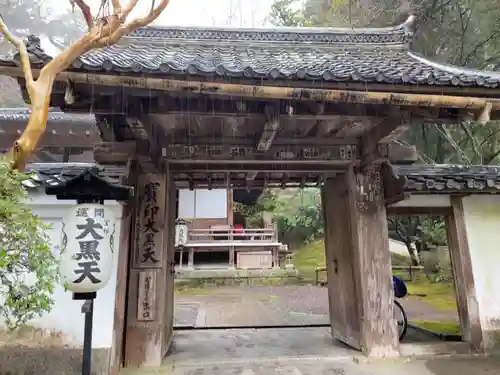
(89,186)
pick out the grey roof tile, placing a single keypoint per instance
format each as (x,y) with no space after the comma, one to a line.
(55,115)
(421,179)
(321,54)
(446,178)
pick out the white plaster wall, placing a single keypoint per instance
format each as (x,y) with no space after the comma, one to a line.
(424,200)
(482,221)
(397,247)
(203,204)
(66,316)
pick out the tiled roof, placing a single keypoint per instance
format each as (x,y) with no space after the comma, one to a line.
(443,179)
(421,179)
(55,115)
(322,54)
(52,174)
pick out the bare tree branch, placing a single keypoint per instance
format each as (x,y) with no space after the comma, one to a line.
(444,131)
(473,141)
(134,24)
(23,53)
(105,29)
(85,9)
(117,7)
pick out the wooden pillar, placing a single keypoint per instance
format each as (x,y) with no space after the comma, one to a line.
(276,262)
(230,207)
(151,265)
(191,258)
(359,264)
(126,240)
(231,257)
(468,309)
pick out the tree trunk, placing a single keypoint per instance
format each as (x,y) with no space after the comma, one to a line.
(410,246)
(25,146)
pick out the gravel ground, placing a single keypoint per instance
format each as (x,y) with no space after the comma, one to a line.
(251,305)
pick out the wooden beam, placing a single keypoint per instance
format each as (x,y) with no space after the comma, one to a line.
(290,153)
(393,185)
(158,102)
(272,92)
(150,135)
(225,168)
(267,137)
(259,183)
(369,142)
(121,152)
(115,152)
(468,308)
(249,141)
(45,156)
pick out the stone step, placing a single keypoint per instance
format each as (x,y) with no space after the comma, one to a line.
(284,366)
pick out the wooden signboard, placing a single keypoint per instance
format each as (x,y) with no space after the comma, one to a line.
(148,252)
(146,296)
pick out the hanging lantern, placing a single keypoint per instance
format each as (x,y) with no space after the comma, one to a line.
(181,233)
(88,235)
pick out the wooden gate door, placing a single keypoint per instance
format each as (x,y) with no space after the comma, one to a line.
(359,264)
(343,295)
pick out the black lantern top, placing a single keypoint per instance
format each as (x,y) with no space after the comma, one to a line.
(89,187)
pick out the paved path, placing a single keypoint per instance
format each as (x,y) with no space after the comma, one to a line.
(441,366)
(249,305)
(297,351)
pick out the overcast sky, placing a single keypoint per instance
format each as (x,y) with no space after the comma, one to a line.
(237,13)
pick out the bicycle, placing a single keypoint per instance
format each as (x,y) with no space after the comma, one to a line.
(400,291)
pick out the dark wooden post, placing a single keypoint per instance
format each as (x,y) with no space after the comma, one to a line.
(468,308)
(359,264)
(126,242)
(152,262)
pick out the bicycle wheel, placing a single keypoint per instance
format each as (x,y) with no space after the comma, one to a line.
(401,319)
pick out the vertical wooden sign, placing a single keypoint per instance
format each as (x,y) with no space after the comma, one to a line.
(148,252)
(146,301)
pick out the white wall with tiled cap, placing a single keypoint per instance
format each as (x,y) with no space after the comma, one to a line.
(65,316)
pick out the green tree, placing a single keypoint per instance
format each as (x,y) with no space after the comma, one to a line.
(27,265)
(297,212)
(460,32)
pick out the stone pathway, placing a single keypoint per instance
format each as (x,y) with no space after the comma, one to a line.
(298,351)
(438,366)
(249,305)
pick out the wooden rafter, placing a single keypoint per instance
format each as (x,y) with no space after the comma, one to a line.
(267,137)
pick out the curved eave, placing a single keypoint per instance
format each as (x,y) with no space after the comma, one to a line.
(284,56)
(21,115)
(392,34)
(450,179)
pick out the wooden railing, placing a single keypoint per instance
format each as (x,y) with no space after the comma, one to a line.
(231,235)
(409,268)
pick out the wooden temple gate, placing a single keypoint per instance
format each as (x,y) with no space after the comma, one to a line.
(255,109)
